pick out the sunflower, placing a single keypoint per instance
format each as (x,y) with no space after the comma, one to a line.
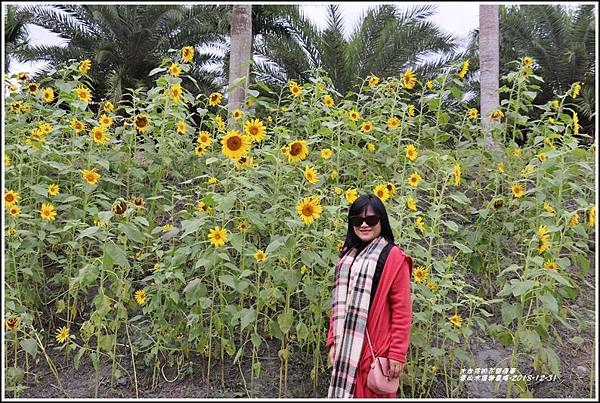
(235,145)
(393,122)
(175,70)
(411,110)
(366,127)
(354,115)
(456,174)
(140,297)
(297,151)
(516,152)
(551,265)
(420,274)
(411,203)
(548,208)
(11,323)
(85,66)
(14,210)
(105,120)
(311,174)
(33,88)
(212,180)
(53,189)
(218,236)
(244,162)
(326,153)
(472,113)
(108,106)
(456,320)
(243,226)
(432,285)
(382,192)
(91,177)
(419,223)
(517,190)
(23,76)
(527,61)
(328,101)
(119,207)
(11,197)
(220,123)
(391,188)
(255,129)
(351,195)
(166,228)
(542,157)
(409,79)
(237,114)
(77,125)
(464,69)
(204,139)
(414,179)
(15,107)
(373,81)
(6,160)
(429,84)
(295,88)
(260,256)
(199,150)
(48,95)
(214,99)
(370,147)
(83,93)
(575,123)
(303,270)
(334,175)
(496,115)
(411,152)
(48,212)
(576,90)
(309,209)
(139,202)
(99,136)
(176,92)
(187,53)
(141,123)
(592,217)
(203,207)
(181,127)
(574,220)
(45,128)
(62,334)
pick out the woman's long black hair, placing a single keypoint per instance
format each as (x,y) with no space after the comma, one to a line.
(361,204)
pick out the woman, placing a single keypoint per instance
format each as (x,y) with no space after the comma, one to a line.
(371,292)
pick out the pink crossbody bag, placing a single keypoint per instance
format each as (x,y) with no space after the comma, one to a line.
(377,380)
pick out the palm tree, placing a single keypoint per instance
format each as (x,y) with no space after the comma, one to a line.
(126,41)
(386,42)
(240,55)
(562,43)
(16,34)
(489,59)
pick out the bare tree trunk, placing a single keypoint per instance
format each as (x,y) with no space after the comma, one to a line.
(240,54)
(489,59)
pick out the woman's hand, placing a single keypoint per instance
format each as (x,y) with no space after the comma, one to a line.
(331,355)
(395,369)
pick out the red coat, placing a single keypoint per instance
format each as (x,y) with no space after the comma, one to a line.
(389,321)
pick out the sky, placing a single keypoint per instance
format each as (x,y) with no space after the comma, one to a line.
(457,18)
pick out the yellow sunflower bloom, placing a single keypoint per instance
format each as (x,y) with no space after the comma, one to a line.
(14,210)
(309,209)
(105,120)
(382,192)
(354,115)
(141,123)
(464,69)
(297,151)
(456,174)
(218,236)
(53,189)
(187,54)
(366,127)
(85,66)
(456,320)
(411,152)
(409,79)
(62,334)
(295,89)
(311,174)
(411,203)
(99,135)
(140,297)
(11,197)
(414,179)
(108,106)
(215,98)
(255,129)
(181,127)
(91,177)
(411,110)
(326,153)
(175,70)
(420,274)
(351,195)
(373,81)
(204,139)
(328,101)
(176,92)
(393,122)
(472,113)
(48,95)
(260,256)
(518,190)
(48,212)
(83,93)
(235,145)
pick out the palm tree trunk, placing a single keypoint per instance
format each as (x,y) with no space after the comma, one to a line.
(489,59)
(240,54)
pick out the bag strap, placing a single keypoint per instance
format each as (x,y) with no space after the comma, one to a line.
(370,345)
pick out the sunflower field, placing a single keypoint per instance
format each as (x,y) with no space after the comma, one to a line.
(161,228)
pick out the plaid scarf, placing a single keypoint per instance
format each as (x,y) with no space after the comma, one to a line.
(351,298)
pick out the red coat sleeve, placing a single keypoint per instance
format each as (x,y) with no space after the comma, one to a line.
(401,307)
(330,333)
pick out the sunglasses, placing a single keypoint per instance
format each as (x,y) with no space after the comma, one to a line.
(371,220)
